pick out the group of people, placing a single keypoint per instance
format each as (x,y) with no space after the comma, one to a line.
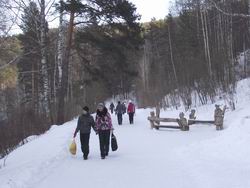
(121,109)
(102,125)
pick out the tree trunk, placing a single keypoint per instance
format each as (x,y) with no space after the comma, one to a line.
(206,42)
(45,87)
(60,47)
(248,51)
(171,54)
(65,72)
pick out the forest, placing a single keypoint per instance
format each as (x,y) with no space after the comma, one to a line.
(100,50)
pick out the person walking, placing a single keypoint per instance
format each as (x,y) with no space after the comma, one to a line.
(131,112)
(84,124)
(103,126)
(124,108)
(111,107)
(119,111)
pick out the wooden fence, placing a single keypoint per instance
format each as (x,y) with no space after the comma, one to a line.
(155,122)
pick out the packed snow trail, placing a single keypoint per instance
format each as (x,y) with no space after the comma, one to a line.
(199,158)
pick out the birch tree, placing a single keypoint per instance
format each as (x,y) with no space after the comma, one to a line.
(44,66)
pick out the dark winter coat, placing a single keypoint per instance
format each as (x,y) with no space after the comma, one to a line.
(84,124)
(120,109)
(112,106)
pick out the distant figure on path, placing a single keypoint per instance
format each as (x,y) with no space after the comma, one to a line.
(131,112)
(119,111)
(103,126)
(111,107)
(124,107)
(219,116)
(84,124)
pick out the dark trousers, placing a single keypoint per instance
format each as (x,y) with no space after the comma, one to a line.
(119,118)
(112,110)
(84,138)
(104,137)
(131,117)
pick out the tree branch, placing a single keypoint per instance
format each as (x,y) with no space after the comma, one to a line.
(227,13)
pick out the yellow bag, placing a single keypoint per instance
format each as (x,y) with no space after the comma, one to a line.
(72,147)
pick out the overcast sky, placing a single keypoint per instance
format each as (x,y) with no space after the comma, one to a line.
(146,8)
(151,8)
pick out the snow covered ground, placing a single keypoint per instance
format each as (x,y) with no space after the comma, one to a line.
(200,158)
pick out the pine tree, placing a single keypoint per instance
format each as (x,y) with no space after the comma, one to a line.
(32,63)
(92,12)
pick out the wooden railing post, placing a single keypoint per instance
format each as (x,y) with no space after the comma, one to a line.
(157,112)
(152,115)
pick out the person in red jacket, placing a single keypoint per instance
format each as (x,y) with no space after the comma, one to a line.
(131,112)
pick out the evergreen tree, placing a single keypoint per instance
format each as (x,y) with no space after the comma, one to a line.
(31,77)
(98,13)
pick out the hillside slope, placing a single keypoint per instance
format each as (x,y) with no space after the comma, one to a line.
(200,158)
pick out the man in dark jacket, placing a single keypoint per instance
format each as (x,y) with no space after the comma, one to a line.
(119,111)
(84,124)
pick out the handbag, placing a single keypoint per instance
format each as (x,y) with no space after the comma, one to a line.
(114,145)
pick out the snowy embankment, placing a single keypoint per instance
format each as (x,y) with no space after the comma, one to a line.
(200,158)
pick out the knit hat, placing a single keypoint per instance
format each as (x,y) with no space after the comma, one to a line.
(86,108)
(100,105)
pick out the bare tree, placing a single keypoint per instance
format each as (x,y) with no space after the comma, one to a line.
(44,63)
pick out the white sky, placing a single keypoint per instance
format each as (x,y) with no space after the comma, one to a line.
(148,9)
(151,8)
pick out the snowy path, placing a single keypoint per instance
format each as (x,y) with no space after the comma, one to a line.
(200,158)
(145,157)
